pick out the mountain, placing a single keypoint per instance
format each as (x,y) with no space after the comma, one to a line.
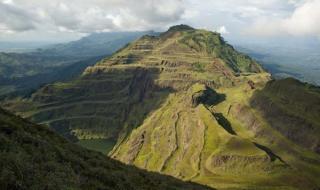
(34,157)
(22,73)
(96,44)
(22,47)
(187,104)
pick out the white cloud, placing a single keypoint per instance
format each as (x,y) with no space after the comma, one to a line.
(89,15)
(8,2)
(78,17)
(305,20)
(223,30)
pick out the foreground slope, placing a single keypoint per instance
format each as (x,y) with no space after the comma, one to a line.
(33,157)
(183,104)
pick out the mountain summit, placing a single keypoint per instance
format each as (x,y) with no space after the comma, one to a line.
(181,27)
(187,104)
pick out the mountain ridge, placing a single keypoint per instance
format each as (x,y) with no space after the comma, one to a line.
(180,104)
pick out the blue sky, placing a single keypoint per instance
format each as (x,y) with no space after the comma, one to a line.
(62,20)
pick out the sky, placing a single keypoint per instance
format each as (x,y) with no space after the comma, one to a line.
(65,20)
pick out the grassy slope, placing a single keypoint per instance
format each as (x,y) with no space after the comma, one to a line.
(179,104)
(293,104)
(33,157)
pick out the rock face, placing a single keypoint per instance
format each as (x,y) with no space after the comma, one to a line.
(181,104)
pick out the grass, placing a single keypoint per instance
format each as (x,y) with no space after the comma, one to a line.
(101,145)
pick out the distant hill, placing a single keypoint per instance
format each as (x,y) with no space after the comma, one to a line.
(21,73)
(96,44)
(34,157)
(187,104)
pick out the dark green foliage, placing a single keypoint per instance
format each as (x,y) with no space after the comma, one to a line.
(34,157)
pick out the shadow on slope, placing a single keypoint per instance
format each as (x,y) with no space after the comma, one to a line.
(34,157)
(106,103)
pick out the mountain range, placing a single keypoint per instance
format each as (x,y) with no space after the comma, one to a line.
(185,103)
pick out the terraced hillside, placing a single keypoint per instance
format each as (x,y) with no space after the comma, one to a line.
(34,157)
(183,104)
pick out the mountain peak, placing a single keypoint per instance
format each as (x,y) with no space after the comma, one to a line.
(181,27)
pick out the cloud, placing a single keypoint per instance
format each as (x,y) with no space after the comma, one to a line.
(305,20)
(77,17)
(222,30)
(85,16)
(14,19)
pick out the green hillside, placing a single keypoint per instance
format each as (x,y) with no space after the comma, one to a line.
(292,108)
(34,157)
(183,103)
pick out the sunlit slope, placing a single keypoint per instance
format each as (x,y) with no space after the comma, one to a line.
(212,143)
(180,104)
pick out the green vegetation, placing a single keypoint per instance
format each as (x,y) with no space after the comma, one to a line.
(100,145)
(182,104)
(294,104)
(34,157)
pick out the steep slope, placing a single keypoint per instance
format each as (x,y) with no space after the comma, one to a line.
(180,104)
(33,157)
(292,108)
